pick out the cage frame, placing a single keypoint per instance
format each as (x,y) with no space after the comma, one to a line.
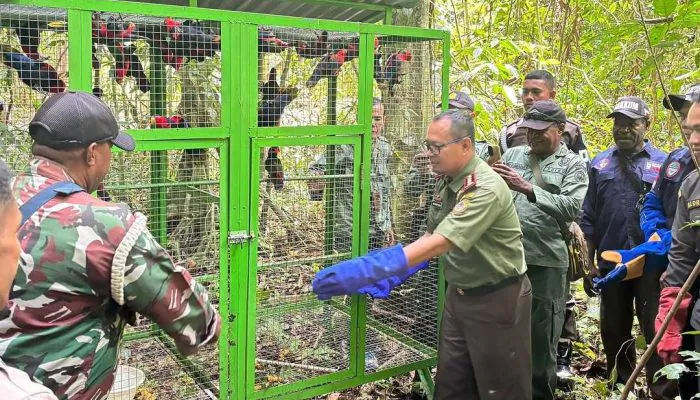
(239,139)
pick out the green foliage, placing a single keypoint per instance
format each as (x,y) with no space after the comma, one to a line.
(597,51)
(671,371)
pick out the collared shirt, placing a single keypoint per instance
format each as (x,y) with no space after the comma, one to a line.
(475,212)
(84,263)
(540,220)
(616,185)
(16,385)
(512,135)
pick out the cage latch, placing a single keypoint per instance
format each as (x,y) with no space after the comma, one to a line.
(239,237)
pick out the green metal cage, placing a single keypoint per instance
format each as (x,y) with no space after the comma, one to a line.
(209,188)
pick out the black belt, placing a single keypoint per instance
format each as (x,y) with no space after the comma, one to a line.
(481,290)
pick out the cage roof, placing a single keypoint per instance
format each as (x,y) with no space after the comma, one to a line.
(340,10)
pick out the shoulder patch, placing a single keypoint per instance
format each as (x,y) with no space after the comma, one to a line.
(461,206)
(673,168)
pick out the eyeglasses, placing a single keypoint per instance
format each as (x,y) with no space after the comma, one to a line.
(434,148)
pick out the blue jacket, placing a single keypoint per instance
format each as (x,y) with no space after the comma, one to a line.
(610,218)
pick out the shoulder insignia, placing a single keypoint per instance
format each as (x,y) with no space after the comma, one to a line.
(468,185)
(693,204)
(673,168)
(603,163)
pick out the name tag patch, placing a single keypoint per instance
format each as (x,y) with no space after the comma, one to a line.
(693,204)
(652,166)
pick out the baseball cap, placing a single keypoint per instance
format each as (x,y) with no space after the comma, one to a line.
(460,100)
(76,119)
(631,106)
(542,114)
(678,100)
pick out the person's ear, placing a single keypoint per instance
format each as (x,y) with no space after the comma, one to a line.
(91,155)
(552,94)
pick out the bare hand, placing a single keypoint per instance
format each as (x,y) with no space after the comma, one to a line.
(514,180)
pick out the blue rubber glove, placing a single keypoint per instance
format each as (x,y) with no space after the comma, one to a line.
(383,288)
(616,275)
(656,252)
(350,276)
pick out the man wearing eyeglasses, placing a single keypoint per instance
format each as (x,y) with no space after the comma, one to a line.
(620,177)
(540,85)
(420,180)
(484,350)
(549,184)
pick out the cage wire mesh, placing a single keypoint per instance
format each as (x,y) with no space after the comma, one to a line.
(402,329)
(300,71)
(34,52)
(304,225)
(180,199)
(177,63)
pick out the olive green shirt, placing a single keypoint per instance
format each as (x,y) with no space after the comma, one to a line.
(542,236)
(475,212)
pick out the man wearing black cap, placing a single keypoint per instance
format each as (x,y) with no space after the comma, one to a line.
(420,179)
(539,85)
(683,255)
(549,183)
(659,209)
(87,265)
(620,177)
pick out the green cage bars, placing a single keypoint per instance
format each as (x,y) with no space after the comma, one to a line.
(257,167)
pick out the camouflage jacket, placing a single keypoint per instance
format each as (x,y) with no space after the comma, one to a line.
(82,260)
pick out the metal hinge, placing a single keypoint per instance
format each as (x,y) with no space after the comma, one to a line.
(239,237)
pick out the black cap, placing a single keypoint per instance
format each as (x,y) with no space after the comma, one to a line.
(70,120)
(542,115)
(631,106)
(459,100)
(678,100)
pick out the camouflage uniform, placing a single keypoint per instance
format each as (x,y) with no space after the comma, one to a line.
(83,263)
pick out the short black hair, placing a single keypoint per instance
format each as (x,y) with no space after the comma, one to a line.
(461,123)
(542,75)
(5,185)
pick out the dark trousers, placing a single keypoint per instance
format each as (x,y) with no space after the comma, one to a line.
(485,349)
(569,332)
(618,303)
(549,291)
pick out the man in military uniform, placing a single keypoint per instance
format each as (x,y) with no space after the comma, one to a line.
(683,255)
(87,265)
(485,349)
(15,384)
(420,180)
(619,178)
(380,232)
(549,183)
(540,85)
